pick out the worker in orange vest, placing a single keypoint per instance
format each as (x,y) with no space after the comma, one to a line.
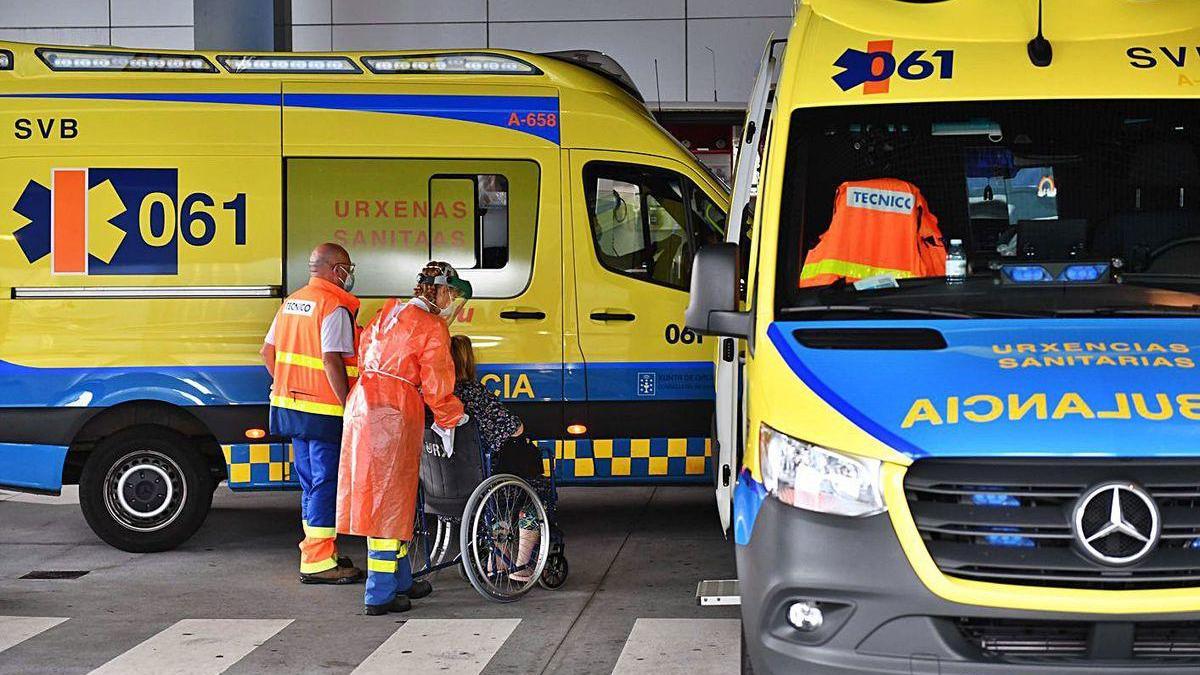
(880,226)
(310,351)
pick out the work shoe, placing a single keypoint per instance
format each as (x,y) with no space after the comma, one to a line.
(419,589)
(336,576)
(345,561)
(400,603)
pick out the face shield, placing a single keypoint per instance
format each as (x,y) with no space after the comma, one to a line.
(460,291)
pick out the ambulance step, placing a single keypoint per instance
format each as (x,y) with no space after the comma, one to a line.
(716,592)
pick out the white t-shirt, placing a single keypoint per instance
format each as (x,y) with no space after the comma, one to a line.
(337,333)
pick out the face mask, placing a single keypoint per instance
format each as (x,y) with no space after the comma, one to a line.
(348,282)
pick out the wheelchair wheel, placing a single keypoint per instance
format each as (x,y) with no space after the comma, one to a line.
(555,573)
(431,540)
(491,533)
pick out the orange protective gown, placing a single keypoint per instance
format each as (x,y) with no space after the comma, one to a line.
(404,358)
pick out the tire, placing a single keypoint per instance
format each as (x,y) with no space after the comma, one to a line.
(421,547)
(488,518)
(555,573)
(145,489)
(428,548)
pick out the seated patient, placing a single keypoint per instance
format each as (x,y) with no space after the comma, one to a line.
(496,423)
(497,426)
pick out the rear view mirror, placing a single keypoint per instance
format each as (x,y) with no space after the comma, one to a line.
(713,304)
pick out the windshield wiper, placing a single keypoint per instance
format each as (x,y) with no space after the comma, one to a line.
(1169,281)
(1146,311)
(877,310)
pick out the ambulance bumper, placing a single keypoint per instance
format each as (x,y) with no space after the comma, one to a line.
(877,615)
(27,467)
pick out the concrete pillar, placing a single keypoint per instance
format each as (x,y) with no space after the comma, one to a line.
(243,25)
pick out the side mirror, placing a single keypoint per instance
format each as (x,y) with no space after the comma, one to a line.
(713,303)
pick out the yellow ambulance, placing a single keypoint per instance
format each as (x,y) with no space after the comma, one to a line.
(993,468)
(155,207)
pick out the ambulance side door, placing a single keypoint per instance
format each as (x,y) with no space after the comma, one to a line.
(399,190)
(637,221)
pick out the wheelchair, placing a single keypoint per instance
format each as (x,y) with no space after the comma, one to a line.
(459,495)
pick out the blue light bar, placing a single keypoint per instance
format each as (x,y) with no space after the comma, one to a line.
(1009,540)
(276,63)
(1027,274)
(103,60)
(994,499)
(457,63)
(1088,272)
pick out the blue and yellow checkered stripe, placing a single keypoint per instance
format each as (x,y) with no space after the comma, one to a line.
(616,460)
(260,466)
(268,466)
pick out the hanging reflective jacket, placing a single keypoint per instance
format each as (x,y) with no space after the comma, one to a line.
(303,404)
(879,226)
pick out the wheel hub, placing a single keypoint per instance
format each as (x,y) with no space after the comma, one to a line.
(145,490)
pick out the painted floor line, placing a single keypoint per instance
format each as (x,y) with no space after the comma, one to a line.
(16,629)
(195,647)
(442,646)
(682,647)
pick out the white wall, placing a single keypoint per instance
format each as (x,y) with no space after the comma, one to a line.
(635,32)
(162,24)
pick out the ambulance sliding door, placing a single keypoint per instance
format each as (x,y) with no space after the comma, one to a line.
(399,189)
(638,221)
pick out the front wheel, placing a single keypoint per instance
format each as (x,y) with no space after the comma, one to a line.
(145,489)
(555,573)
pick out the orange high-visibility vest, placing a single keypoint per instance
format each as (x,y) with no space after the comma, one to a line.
(879,226)
(301,385)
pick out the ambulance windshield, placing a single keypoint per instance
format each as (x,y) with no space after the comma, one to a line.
(1095,202)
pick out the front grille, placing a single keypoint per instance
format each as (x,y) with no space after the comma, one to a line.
(1003,637)
(1009,520)
(1027,639)
(1167,638)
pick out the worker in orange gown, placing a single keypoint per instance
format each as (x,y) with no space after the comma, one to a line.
(405,365)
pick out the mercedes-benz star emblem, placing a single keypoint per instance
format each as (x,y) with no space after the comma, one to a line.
(1117,523)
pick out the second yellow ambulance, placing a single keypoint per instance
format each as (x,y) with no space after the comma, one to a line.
(154,207)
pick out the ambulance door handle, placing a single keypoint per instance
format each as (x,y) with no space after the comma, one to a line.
(522,314)
(612,316)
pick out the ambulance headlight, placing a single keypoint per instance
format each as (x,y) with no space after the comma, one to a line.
(810,477)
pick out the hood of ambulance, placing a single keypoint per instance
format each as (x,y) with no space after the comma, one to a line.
(1023,387)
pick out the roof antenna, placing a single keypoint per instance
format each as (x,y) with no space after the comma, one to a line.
(1040,51)
(657,91)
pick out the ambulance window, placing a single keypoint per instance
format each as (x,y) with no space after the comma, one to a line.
(475,237)
(393,215)
(639,222)
(708,220)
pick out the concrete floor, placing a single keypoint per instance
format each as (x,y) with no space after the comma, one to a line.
(636,553)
